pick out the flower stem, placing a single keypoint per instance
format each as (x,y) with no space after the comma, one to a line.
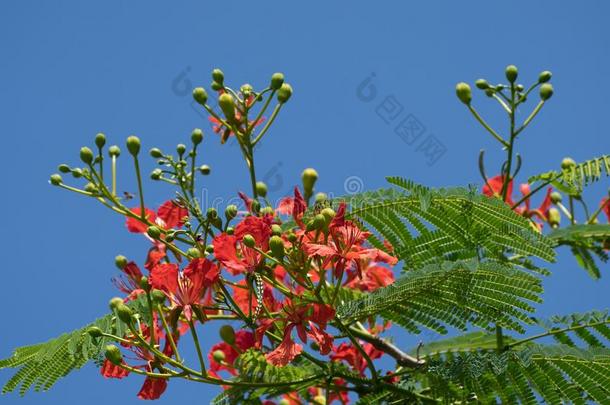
(198,347)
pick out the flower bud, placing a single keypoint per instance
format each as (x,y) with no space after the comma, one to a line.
(153,231)
(328,214)
(211,213)
(204,169)
(145,284)
(77,173)
(261,189)
(120,261)
(267,211)
(231,212)
(114,151)
(463,92)
(197,136)
(249,240)
(482,84)
(91,188)
(554,217)
(124,313)
(156,174)
(133,145)
(309,178)
(64,168)
(544,76)
(193,253)
(156,153)
(218,76)
(567,163)
(292,237)
(100,140)
(227,334)
(216,86)
(319,221)
(489,92)
(200,95)
(276,229)
(115,302)
(181,148)
(55,179)
(95,332)
(255,206)
(230,230)
(546,91)
(276,245)
(511,73)
(86,155)
(246,90)
(319,400)
(209,249)
(555,197)
(158,296)
(519,87)
(218,356)
(284,93)
(284,401)
(277,79)
(113,354)
(227,105)
(320,197)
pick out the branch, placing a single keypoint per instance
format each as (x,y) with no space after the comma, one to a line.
(402,358)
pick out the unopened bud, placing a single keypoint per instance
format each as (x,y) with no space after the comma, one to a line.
(319,221)
(284,93)
(320,197)
(55,179)
(216,86)
(230,212)
(249,240)
(554,217)
(64,168)
(546,91)
(181,148)
(511,73)
(261,189)
(218,76)
(230,230)
(482,84)
(246,90)
(86,155)
(114,151)
(567,163)
(276,245)
(197,136)
(544,76)
(328,214)
(95,332)
(309,178)
(113,354)
(124,313)
(77,173)
(292,237)
(153,231)
(463,92)
(144,283)
(276,229)
(100,140)
(158,296)
(211,213)
(218,356)
(120,261)
(555,197)
(319,400)
(91,188)
(193,253)
(277,79)
(156,153)
(115,302)
(267,211)
(156,174)
(227,105)
(204,169)
(200,95)
(227,334)
(133,145)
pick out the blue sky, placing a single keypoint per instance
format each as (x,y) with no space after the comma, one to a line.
(72,69)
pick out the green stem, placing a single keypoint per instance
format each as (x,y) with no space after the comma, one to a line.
(555,332)
(168,333)
(198,347)
(114,175)
(274,114)
(486,126)
(530,118)
(140,188)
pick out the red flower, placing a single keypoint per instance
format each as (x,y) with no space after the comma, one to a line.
(606,207)
(350,355)
(295,206)
(242,298)
(310,321)
(169,215)
(494,189)
(243,341)
(185,290)
(373,277)
(130,284)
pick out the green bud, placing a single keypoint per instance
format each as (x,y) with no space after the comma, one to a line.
(291,237)
(91,188)
(133,145)
(511,73)
(55,179)
(227,105)
(193,253)
(114,151)
(204,169)
(567,163)
(212,213)
(321,197)
(284,93)
(276,244)
(158,296)
(216,86)
(482,84)
(86,155)
(249,240)
(230,230)
(489,92)
(156,153)
(284,401)
(200,95)
(218,76)
(463,92)
(120,261)
(145,284)
(319,400)
(328,214)
(156,174)
(64,168)
(256,206)
(154,232)
(319,221)
(544,76)
(554,217)
(261,189)
(100,140)
(209,249)
(115,302)
(218,356)
(246,90)
(555,197)
(519,87)
(546,91)
(77,173)
(267,211)
(197,136)
(276,229)
(227,334)
(113,354)
(95,332)
(124,313)
(181,148)
(309,178)
(230,212)
(277,79)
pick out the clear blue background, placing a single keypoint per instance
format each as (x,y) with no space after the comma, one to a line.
(71,69)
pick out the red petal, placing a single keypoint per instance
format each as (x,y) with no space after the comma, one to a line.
(137,226)
(285,352)
(172,214)
(606,204)
(164,277)
(153,388)
(110,370)
(225,252)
